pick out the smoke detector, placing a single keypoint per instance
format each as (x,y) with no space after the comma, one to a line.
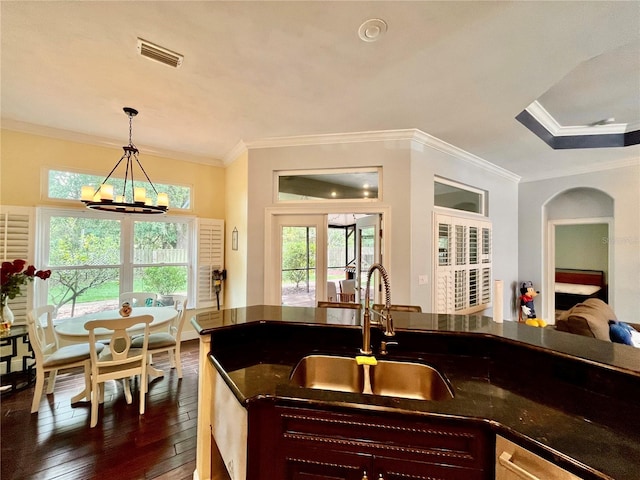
(159,54)
(372,30)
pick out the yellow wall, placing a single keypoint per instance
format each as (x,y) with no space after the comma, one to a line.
(25,159)
(236,217)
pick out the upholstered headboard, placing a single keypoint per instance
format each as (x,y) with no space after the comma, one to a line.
(574,286)
(580,277)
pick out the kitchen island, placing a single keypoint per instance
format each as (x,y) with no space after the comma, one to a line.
(569,399)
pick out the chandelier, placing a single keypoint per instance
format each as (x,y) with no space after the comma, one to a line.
(133,199)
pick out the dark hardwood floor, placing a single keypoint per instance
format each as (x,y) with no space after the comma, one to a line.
(57,442)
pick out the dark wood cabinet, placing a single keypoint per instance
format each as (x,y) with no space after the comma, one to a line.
(317,464)
(399,469)
(313,444)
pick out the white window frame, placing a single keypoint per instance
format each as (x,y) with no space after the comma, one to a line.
(127,266)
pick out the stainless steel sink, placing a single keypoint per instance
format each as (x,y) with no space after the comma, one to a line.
(409,380)
(391,378)
(325,372)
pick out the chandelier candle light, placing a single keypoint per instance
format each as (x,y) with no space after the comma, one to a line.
(102,198)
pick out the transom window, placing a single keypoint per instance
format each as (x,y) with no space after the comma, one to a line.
(456,196)
(66,185)
(328,185)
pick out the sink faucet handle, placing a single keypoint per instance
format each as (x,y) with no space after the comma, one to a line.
(383,346)
(389,331)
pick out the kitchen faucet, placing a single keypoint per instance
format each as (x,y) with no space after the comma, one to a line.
(386,321)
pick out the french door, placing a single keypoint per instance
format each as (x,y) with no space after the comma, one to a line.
(299,276)
(296,256)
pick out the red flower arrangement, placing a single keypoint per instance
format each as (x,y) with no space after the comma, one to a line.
(13,275)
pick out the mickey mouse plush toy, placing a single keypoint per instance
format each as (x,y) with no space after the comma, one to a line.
(527,309)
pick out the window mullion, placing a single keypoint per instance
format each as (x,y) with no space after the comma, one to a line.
(126,255)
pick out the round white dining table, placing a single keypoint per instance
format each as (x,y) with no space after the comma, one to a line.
(71,330)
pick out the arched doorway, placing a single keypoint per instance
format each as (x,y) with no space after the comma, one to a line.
(579,224)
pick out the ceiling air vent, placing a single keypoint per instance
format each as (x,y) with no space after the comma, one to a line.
(159,54)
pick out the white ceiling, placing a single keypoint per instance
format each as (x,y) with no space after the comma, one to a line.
(460,71)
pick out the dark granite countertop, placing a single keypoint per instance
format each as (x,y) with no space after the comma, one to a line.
(571,399)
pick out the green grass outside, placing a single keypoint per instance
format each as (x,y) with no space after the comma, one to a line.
(106,291)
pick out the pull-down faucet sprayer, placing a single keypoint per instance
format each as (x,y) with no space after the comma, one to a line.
(386,320)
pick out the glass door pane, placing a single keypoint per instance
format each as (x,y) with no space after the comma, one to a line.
(295,272)
(368,253)
(340,261)
(298,269)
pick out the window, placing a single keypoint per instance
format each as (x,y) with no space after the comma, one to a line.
(328,185)
(341,252)
(66,186)
(165,244)
(94,257)
(464,285)
(84,256)
(453,195)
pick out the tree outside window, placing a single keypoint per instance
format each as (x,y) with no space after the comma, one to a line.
(84,256)
(89,271)
(299,255)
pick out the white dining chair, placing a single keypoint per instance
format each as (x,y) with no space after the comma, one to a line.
(332,292)
(139,299)
(347,291)
(118,360)
(168,341)
(50,358)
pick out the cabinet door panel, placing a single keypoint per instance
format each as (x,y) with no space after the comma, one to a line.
(298,475)
(317,464)
(398,469)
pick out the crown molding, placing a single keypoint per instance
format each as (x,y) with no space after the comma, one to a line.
(444,147)
(331,138)
(238,149)
(412,135)
(545,119)
(95,140)
(626,162)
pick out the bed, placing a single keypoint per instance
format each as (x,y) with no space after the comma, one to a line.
(573,286)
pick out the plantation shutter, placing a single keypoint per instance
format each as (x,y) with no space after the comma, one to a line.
(16,234)
(444,275)
(462,265)
(210,258)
